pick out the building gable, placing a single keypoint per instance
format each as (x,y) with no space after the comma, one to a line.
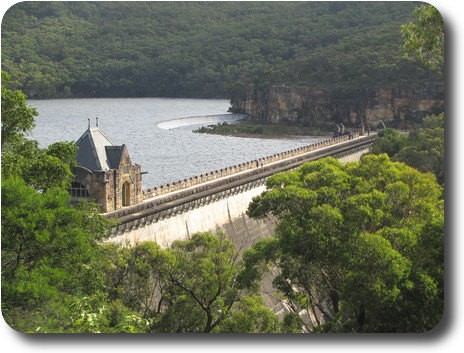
(106,172)
(113,155)
(92,150)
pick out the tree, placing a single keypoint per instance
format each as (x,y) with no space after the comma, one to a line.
(425,38)
(49,247)
(193,286)
(354,244)
(17,117)
(21,157)
(203,271)
(389,141)
(43,168)
(135,276)
(49,254)
(98,314)
(423,149)
(250,316)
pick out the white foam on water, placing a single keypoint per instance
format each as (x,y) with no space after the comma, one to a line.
(196,120)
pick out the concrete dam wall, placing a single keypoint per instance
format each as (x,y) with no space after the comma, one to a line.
(223,211)
(220,204)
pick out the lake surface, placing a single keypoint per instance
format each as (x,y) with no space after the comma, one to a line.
(158,133)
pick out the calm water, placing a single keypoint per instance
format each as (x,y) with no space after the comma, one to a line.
(158,133)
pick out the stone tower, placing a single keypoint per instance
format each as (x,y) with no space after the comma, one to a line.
(105,172)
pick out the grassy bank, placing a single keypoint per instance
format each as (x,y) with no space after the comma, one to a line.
(251,129)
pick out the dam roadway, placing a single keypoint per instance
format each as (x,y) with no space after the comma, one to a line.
(220,204)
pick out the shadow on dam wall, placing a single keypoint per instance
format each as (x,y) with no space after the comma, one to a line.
(224,211)
(222,208)
(221,204)
(244,231)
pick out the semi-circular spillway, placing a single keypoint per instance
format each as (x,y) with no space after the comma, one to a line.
(196,120)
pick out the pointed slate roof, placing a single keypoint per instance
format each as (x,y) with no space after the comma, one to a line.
(113,154)
(96,151)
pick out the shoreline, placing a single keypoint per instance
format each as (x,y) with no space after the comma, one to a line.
(246,128)
(270,137)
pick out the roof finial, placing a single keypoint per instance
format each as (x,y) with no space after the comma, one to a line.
(89,122)
(97,120)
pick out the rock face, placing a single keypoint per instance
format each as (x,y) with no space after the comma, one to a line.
(396,106)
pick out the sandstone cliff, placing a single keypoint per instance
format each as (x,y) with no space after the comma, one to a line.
(396,106)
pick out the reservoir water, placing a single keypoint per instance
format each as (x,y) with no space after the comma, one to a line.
(158,133)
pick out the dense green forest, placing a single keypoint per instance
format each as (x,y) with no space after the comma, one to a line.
(203,49)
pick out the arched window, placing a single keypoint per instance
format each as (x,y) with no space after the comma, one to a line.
(78,190)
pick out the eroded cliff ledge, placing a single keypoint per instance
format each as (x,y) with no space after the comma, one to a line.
(397,106)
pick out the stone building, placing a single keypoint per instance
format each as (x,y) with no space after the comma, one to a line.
(105,172)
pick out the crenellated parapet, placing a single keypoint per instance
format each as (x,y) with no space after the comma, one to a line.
(221,200)
(173,210)
(247,166)
(220,203)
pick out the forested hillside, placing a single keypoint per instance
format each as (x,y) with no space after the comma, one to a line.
(202,49)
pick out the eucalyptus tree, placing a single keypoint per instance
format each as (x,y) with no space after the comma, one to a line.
(194,286)
(425,38)
(49,247)
(359,245)
(422,148)
(204,272)
(42,168)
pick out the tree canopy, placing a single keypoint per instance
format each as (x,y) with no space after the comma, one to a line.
(359,245)
(21,157)
(203,49)
(423,149)
(192,287)
(48,246)
(425,37)
(17,117)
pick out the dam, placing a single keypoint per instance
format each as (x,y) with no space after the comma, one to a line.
(212,202)
(218,200)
